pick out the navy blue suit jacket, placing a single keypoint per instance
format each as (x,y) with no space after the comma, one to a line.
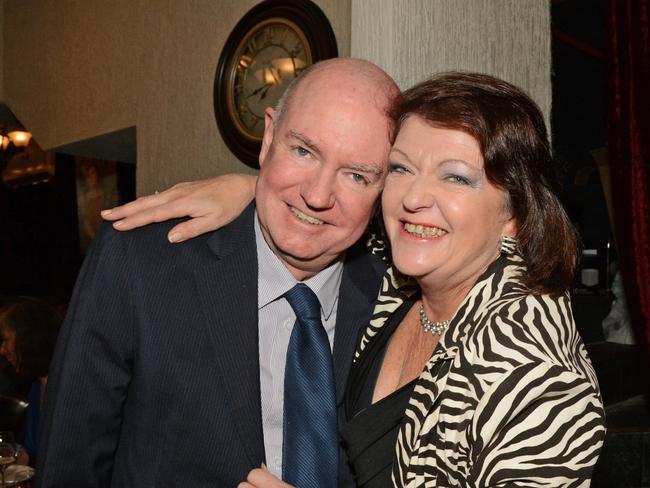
(155,379)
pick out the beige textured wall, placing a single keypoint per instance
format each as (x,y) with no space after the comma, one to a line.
(412,39)
(80,69)
(66,67)
(75,69)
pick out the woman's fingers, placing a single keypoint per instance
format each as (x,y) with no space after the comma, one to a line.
(211,204)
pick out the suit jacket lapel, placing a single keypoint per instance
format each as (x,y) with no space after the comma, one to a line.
(359,288)
(228,293)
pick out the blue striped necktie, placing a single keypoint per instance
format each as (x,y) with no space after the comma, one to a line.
(310,443)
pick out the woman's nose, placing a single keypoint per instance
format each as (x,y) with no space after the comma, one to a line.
(419,195)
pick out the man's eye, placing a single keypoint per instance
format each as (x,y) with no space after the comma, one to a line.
(397,168)
(301,151)
(358,178)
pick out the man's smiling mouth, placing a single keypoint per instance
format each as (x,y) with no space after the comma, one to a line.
(303,217)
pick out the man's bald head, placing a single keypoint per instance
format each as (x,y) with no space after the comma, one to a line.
(348,72)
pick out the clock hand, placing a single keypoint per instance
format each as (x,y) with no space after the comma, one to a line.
(256,91)
(263,94)
(276,80)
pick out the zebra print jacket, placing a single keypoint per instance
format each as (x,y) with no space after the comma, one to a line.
(514,400)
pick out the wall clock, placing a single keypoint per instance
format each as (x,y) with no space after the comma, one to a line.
(267,49)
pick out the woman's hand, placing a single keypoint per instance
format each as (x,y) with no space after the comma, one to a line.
(261,478)
(211,203)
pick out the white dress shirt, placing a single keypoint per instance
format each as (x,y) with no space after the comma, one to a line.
(276,319)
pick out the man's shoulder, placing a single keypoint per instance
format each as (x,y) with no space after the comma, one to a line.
(152,239)
(148,247)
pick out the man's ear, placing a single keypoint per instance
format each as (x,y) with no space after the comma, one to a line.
(269,129)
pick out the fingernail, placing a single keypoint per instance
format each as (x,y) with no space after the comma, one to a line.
(175,237)
(118,224)
(106,212)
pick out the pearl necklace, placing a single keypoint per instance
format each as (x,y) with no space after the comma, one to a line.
(436,328)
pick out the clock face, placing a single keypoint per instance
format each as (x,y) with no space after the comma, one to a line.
(266,61)
(270,45)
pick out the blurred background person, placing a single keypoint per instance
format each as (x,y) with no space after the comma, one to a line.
(28,332)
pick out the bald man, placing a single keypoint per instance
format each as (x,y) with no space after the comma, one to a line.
(170,367)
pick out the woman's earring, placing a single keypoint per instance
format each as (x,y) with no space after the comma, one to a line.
(508,245)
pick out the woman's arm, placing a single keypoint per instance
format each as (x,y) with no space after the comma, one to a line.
(540,424)
(211,204)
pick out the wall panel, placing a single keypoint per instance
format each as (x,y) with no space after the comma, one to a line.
(412,39)
(78,69)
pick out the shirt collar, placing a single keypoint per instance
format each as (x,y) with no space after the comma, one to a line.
(274,279)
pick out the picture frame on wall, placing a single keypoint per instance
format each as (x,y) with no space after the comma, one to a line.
(100,185)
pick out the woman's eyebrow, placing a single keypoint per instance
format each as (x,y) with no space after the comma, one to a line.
(397,149)
(467,164)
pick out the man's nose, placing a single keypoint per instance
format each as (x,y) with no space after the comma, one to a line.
(319,190)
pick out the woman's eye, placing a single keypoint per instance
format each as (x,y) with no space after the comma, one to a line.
(397,168)
(458,179)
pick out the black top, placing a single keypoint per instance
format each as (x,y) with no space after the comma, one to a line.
(370,434)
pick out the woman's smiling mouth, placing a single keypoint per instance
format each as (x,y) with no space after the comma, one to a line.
(423,231)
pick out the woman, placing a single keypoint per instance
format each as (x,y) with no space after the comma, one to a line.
(28,332)
(477,375)
(470,176)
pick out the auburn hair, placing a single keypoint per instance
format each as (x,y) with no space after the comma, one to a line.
(511,133)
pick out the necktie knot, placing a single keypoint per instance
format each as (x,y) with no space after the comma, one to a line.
(304,302)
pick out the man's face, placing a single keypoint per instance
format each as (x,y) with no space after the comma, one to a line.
(322,170)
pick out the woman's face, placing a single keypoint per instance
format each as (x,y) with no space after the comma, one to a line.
(8,346)
(443,217)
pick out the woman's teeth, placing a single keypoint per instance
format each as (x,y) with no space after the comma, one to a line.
(423,230)
(306,218)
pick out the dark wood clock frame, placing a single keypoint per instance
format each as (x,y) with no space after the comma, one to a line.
(322,42)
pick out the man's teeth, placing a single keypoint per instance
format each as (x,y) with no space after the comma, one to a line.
(306,218)
(423,230)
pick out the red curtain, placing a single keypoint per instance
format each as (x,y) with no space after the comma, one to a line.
(629,148)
